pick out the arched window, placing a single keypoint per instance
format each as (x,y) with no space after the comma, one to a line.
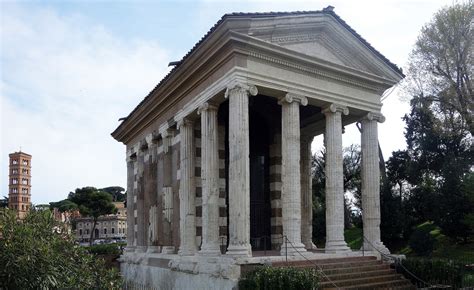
(80,232)
(105,231)
(113,230)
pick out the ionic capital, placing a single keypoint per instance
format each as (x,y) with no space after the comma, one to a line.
(334,108)
(374,116)
(185,122)
(207,106)
(291,97)
(239,87)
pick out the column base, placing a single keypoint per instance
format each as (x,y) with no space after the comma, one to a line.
(153,249)
(379,246)
(168,250)
(239,250)
(140,249)
(336,247)
(187,252)
(210,250)
(293,249)
(310,245)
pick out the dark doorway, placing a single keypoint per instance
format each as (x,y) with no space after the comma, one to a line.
(260,206)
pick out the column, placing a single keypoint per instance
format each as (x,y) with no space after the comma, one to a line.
(334,179)
(167,194)
(141,233)
(370,173)
(130,204)
(306,193)
(290,172)
(153,226)
(210,180)
(187,189)
(239,169)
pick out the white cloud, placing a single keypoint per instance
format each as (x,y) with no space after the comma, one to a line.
(65,83)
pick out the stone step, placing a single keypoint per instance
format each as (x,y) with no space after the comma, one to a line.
(355,275)
(336,265)
(361,281)
(401,284)
(325,261)
(335,271)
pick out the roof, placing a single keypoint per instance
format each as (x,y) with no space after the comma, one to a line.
(327,11)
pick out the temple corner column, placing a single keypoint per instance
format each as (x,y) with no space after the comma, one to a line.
(370,173)
(239,169)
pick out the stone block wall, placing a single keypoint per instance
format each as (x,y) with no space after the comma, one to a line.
(275,192)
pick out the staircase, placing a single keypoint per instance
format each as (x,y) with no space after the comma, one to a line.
(354,273)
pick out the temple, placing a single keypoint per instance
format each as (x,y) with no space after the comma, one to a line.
(219,153)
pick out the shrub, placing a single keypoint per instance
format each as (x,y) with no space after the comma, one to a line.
(266,278)
(39,253)
(105,249)
(421,242)
(437,271)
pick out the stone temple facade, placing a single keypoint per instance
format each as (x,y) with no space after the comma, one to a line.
(218,154)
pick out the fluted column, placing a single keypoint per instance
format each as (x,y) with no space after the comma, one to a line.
(334,179)
(210,180)
(239,169)
(370,173)
(130,204)
(290,171)
(306,193)
(187,189)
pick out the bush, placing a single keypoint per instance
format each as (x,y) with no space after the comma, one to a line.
(421,242)
(39,253)
(266,278)
(105,249)
(437,271)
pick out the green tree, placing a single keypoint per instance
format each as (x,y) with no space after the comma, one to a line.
(117,192)
(39,253)
(93,203)
(4,202)
(441,63)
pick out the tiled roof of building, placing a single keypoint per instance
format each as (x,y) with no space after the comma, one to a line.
(328,10)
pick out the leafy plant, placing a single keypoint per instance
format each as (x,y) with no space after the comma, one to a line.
(39,253)
(438,271)
(279,278)
(421,242)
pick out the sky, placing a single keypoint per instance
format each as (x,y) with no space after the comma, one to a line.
(70,69)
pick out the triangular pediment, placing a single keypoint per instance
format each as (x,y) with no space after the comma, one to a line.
(323,37)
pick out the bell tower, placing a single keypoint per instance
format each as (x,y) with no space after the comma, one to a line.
(19,185)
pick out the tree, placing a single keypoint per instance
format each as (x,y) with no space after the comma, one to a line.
(4,202)
(38,253)
(442,61)
(93,203)
(117,192)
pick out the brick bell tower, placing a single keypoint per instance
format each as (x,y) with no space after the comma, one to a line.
(19,185)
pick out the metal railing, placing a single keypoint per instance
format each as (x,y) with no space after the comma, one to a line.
(398,263)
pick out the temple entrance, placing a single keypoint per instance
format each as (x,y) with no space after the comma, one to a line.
(260,206)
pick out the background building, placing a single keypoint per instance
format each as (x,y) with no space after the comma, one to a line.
(19,186)
(112,226)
